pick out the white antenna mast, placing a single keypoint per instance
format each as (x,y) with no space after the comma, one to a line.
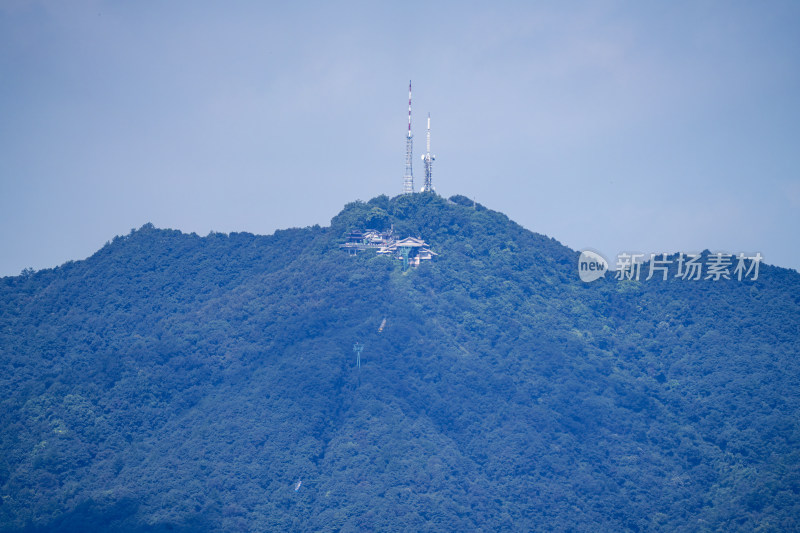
(428,159)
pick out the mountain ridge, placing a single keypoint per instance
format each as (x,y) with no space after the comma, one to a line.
(179,381)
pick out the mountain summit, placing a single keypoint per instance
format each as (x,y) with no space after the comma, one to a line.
(172,382)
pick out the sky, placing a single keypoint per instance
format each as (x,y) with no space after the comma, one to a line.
(618,126)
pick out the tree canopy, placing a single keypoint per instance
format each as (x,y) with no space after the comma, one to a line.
(185,383)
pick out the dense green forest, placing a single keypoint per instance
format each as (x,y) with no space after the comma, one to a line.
(173,382)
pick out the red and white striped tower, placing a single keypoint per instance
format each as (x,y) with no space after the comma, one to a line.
(408,177)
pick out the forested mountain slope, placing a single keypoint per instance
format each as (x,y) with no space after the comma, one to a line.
(178,383)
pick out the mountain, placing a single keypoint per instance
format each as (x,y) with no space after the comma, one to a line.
(172,382)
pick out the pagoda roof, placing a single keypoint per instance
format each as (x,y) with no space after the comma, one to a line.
(411,242)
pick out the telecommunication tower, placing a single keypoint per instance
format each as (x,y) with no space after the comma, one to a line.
(408,177)
(428,159)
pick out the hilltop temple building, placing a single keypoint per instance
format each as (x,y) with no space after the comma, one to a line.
(410,250)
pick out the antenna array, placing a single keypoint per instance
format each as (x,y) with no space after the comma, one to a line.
(408,177)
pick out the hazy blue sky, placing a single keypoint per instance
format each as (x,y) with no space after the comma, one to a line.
(621,126)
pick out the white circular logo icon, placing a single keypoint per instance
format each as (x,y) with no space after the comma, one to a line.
(591,266)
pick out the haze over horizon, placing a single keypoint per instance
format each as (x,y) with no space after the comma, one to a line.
(617,127)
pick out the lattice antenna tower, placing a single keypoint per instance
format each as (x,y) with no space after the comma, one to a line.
(408,177)
(357,348)
(428,159)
